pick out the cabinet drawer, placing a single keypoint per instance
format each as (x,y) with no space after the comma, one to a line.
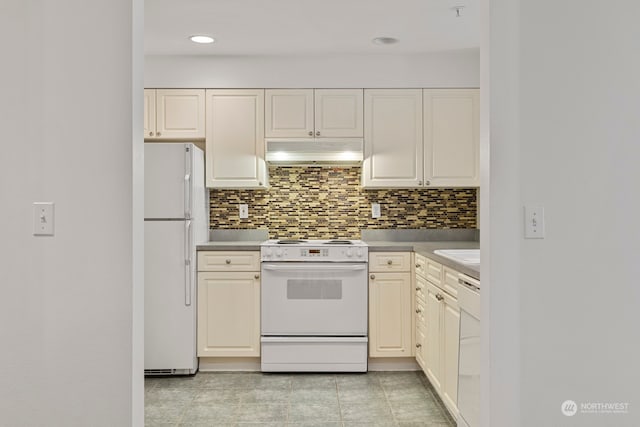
(421,289)
(434,272)
(389,261)
(421,320)
(450,281)
(420,265)
(228,261)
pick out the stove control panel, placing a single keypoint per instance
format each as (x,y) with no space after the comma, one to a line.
(318,254)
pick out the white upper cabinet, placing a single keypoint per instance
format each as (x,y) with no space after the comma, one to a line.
(338,113)
(235,139)
(393,150)
(149,120)
(451,137)
(309,113)
(174,114)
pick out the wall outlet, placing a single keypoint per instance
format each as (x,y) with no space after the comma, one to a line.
(534,222)
(243,210)
(43,218)
(375,210)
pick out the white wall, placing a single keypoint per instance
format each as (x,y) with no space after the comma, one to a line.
(66,307)
(565,134)
(445,69)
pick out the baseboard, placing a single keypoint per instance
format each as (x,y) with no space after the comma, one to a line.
(216,364)
(393,364)
(252,364)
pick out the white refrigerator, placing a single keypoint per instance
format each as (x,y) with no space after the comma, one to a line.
(176,220)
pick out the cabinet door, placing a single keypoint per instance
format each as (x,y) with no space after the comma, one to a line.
(433,336)
(180,114)
(289,113)
(451,137)
(338,113)
(149,120)
(393,153)
(235,139)
(390,333)
(450,350)
(228,314)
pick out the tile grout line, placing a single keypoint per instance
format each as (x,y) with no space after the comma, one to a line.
(386,397)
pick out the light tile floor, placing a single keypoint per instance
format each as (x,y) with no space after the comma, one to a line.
(402,399)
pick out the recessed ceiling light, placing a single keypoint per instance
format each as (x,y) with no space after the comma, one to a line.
(201,39)
(384,40)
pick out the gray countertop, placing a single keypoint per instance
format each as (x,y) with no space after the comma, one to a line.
(423,248)
(427,248)
(249,245)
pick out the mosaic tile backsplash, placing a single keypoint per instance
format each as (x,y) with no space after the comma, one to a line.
(328,203)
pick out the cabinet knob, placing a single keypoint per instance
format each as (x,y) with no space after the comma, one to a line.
(418,311)
(257,276)
(373,276)
(150,133)
(427,183)
(310,133)
(418,266)
(159,134)
(439,297)
(260,183)
(317,133)
(389,262)
(228,261)
(419,182)
(417,288)
(418,345)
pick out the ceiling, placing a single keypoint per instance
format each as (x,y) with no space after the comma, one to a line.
(309,27)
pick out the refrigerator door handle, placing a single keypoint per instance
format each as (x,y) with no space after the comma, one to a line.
(187,183)
(187,263)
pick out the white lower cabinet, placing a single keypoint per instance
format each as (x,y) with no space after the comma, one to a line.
(390,327)
(228,308)
(437,329)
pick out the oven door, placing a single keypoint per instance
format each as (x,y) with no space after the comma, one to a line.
(314,298)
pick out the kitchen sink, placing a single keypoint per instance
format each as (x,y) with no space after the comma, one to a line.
(463,256)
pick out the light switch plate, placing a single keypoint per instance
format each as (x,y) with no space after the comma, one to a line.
(244,211)
(533,222)
(43,218)
(375,210)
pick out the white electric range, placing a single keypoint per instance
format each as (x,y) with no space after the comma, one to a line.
(314,304)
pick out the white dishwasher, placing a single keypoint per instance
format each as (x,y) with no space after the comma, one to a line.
(469,358)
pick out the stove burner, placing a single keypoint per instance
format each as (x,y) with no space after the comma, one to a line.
(338,242)
(290,242)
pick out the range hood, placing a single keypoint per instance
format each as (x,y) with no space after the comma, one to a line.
(314,152)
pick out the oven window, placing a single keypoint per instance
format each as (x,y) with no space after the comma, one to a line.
(314,289)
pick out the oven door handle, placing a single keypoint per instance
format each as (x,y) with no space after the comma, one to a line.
(305,267)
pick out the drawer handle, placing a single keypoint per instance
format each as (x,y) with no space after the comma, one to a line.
(373,276)
(228,261)
(439,297)
(418,288)
(418,311)
(257,276)
(418,266)
(389,262)
(418,345)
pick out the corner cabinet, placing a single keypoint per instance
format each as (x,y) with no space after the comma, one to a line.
(393,150)
(451,137)
(390,305)
(174,114)
(228,304)
(313,113)
(235,139)
(437,328)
